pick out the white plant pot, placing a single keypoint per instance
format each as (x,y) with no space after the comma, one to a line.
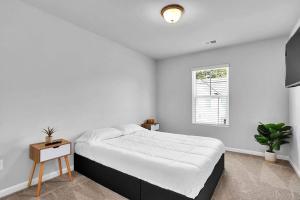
(48,139)
(270,156)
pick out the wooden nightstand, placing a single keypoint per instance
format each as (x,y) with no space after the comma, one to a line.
(40,153)
(151,127)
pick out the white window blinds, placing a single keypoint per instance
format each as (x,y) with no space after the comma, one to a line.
(211,95)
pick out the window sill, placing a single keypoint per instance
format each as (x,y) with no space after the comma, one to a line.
(215,125)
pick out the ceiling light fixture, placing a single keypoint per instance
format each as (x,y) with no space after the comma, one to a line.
(172,13)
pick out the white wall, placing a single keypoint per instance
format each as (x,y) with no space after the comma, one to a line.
(294,118)
(257,92)
(53,73)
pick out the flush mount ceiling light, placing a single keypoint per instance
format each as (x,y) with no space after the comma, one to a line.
(172,13)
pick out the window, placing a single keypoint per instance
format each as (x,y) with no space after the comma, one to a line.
(211,95)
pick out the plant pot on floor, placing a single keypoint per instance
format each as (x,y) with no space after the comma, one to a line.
(270,156)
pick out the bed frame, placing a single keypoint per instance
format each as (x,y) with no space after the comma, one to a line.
(137,189)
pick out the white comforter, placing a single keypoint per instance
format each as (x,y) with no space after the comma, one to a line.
(179,163)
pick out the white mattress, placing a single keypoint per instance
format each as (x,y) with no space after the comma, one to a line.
(179,163)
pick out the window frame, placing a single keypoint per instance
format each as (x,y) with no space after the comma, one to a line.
(194,70)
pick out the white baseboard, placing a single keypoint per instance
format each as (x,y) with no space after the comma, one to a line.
(256,153)
(295,167)
(21,186)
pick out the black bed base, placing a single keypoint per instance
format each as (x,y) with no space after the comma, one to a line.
(137,189)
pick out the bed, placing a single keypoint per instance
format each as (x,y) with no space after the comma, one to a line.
(146,165)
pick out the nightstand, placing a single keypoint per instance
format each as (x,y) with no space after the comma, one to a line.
(151,127)
(42,152)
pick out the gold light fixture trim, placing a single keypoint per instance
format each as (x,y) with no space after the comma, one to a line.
(172,13)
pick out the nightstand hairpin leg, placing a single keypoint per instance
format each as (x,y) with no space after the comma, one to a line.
(59,165)
(31,174)
(39,187)
(68,167)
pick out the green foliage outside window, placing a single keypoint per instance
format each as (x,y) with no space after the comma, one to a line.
(213,73)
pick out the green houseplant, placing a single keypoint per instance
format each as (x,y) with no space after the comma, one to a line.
(273,136)
(49,132)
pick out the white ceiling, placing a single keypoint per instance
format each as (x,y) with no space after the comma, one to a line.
(137,24)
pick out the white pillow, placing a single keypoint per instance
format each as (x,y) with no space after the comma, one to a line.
(97,135)
(130,128)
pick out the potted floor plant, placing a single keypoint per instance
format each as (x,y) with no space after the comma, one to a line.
(49,132)
(273,136)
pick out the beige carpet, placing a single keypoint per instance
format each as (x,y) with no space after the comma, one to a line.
(245,178)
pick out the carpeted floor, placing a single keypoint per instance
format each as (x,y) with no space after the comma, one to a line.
(245,178)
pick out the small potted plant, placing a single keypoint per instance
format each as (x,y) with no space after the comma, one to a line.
(49,132)
(273,136)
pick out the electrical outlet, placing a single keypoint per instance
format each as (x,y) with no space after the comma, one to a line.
(1,165)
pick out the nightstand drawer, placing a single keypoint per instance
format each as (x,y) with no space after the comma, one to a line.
(151,127)
(154,127)
(55,152)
